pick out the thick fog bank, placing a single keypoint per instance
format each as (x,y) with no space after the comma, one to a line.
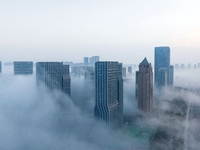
(33,118)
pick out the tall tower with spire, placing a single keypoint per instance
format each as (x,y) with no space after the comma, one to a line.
(144,86)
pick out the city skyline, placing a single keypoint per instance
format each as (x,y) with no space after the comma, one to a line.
(40,31)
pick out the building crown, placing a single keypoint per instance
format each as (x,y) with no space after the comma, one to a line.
(145,63)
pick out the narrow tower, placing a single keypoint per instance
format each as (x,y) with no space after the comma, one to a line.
(144,86)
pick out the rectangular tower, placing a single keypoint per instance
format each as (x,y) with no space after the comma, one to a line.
(162,66)
(86,61)
(54,75)
(144,86)
(130,70)
(171,75)
(94,59)
(109,93)
(23,67)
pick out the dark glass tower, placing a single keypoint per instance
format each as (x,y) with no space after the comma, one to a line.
(109,93)
(54,75)
(23,67)
(162,66)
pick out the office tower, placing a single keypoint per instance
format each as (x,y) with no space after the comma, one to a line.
(109,93)
(54,75)
(130,70)
(23,67)
(89,73)
(171,75)
(120,94)
(162,66)
(0,67)
(94,59)
(86,61)
(195,66)
(144,86)
(124,71)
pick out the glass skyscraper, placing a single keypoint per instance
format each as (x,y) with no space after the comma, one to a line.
(23,67)
(54,75)
(109,93)
(162,68)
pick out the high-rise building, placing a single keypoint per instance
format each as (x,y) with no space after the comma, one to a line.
(0,67)
(109,93)
(23,67)
(144,86)
(94,59)
(171,75)
(162,66)
(54,75)
(123,71)
(130,70)
(86,61)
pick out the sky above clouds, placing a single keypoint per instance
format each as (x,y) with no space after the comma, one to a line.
(126,31)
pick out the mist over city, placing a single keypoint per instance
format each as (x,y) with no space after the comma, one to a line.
(99,75)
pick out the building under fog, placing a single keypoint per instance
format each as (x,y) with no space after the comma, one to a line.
(124,72)
(109,93)
(86,60)
(54,75)
(144,86)
(171,75)
(162,67)
(23,67)
(94,59)
(130,70)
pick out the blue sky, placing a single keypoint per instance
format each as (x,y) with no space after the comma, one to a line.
(126,30)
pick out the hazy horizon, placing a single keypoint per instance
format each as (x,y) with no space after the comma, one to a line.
(126,31)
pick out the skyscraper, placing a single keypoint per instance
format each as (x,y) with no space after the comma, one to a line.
(171,75)
(130,70)
(109,93)
(144,86)
(23,67)
(54,75)
(86,61)
(94,59)
(162,66)
(124,72)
